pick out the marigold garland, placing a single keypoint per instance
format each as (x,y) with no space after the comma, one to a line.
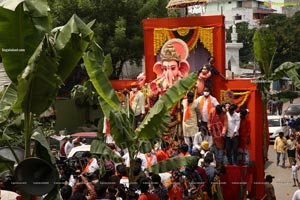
(183,31)
(205,35)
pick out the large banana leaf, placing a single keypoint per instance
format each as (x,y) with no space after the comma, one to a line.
(39,13)
(42,149)
(288,69)
(264,47)
(152,123)
(122,129)
(19,35)
(173,164)
(99,147)
(38,83)
(70,43)
(94,61)
(8,99)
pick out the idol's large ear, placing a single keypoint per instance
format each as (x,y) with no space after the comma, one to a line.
(184,68)
(158,69)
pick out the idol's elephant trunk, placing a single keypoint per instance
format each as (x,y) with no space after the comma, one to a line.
(169,77)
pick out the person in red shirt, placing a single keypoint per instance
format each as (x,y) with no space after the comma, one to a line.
(217,125)
(244,135)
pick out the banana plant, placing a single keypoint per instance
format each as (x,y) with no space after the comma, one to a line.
(37,61)
(121,119)
(264,47)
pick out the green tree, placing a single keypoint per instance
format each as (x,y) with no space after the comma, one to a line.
(118,27)
(286,31)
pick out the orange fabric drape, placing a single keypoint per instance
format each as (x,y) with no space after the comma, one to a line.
(209,104)
(188,111)
(86,169)
(132,96)
(149,159)
(107,130)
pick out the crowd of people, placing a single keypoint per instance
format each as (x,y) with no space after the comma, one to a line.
(218,134)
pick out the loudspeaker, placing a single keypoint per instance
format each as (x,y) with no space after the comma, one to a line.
(35,176)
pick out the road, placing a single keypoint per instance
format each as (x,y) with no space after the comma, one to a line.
(283,182)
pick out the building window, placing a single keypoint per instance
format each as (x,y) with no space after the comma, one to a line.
(239,4)
(238,17)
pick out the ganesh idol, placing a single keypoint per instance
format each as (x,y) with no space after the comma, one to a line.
(172,66)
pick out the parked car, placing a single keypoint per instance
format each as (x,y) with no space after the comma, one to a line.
(293,109)
(78,151)
(87,136)
(277,124)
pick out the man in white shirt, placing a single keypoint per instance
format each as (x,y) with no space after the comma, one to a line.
(205,103)
(68,146)
(92,163)
(137,103)
(232,136)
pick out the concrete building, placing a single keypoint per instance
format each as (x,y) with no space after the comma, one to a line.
(240,11)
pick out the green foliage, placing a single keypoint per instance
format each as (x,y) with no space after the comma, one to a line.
(9,98)
(288,69)
(118,27)
(100,148)
(19,36)
(168,165)
(85,94)
(287,35)
(264,50)
(37,62)
(93,60)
